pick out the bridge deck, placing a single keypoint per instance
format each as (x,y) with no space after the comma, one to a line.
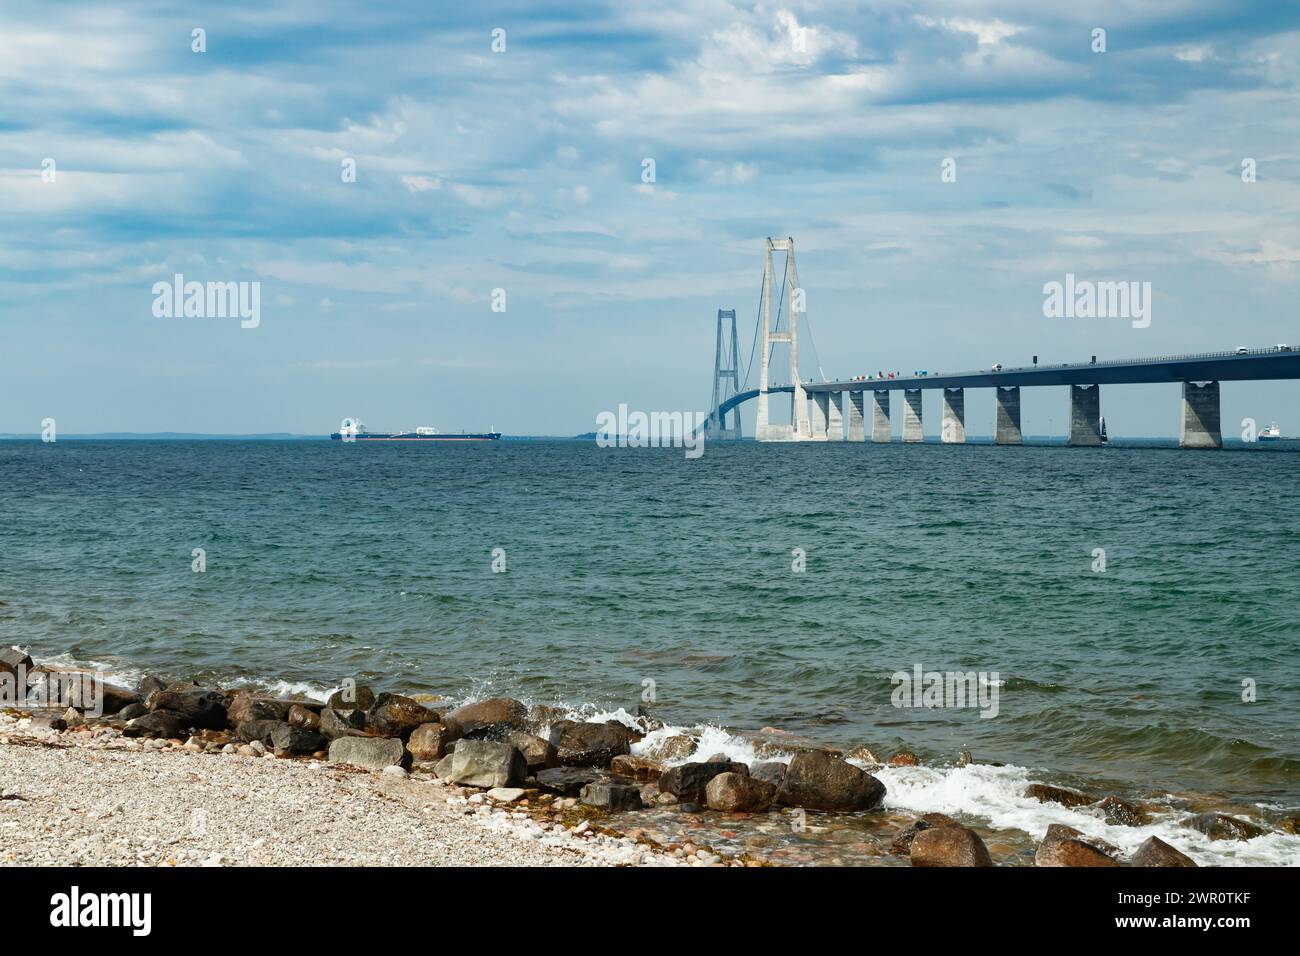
(1254,365)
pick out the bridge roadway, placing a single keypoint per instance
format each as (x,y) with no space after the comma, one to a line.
(1254,365)
(839,412)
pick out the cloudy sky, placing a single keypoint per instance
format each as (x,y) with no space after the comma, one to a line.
(522,170)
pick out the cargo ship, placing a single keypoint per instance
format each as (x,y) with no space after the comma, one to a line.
(1271,433)
(351,429)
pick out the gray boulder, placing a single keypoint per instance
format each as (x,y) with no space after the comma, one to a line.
(568,781)
(487,764)
(342,723)
(608,795)
(769,771)
(371,753)
(160,723)
(280,736)
(11,658)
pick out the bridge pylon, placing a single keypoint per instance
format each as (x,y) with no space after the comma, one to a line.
(726,380)
(799,428)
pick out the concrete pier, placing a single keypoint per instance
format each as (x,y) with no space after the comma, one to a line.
(1008,416)
(1085,415)
(1200,416)
(912,415)
(881,432)
(857,423)
(835,421)
(820,415)
(952,431)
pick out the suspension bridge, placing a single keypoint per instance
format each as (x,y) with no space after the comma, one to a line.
(837,410)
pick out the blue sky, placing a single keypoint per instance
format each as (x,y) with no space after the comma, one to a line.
(522,170)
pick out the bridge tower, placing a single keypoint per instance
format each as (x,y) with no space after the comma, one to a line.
(799,428)
(726,380)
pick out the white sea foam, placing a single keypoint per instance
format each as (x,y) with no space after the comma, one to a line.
(287,688)
(994,796)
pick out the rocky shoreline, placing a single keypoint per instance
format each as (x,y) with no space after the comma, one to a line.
(608,792)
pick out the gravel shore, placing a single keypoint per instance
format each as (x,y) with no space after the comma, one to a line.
(104,800)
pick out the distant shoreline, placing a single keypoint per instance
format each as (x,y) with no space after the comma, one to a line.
(200,436)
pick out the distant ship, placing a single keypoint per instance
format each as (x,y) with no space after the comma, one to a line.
(1105,439)
(351,429)
(1271,433)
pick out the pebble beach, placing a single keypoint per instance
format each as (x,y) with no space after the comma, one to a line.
(100,799)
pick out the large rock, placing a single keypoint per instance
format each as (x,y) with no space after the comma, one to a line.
(593,745)
(11,658)
(949,846)
(1066,846)
(194,707)
(772,742)
(771,771)
(689,781)
(160,723)
(1220,826)
(487,764)
(608,795)
(568,781)
(342,723)
(1122,813)
(902,843)
(304,717)
(371,753)
(641,769)
(539,753)
(1156,852)
(358,697)
(738,793)
(245,707)
(396,716)
(816,780)
(677,747)
(87,695)
(486,717)
(281,736)
(1046,793)
(132,711)
(428,742)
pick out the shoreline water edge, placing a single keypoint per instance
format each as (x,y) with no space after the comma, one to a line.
(552,785)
